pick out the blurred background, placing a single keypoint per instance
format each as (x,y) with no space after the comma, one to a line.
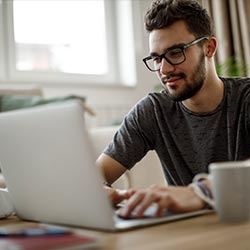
(95,48)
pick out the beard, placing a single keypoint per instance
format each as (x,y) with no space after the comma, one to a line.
(191,87)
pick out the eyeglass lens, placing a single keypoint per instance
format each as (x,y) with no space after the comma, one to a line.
(173,56)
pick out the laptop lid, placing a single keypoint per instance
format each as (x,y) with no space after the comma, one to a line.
(47,160)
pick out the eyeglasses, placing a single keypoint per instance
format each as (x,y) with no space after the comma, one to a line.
(174,56)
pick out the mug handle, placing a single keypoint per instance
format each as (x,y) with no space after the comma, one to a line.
(6,205)
(198,191)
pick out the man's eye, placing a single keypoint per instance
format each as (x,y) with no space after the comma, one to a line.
(174,53)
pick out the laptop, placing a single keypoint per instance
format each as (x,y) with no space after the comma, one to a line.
(47,161)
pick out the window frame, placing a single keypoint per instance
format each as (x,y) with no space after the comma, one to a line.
(9,73)
(3,58)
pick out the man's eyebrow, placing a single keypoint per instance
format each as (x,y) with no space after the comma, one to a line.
(169,48)
(153,54)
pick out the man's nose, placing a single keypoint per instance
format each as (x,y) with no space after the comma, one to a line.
(166,67)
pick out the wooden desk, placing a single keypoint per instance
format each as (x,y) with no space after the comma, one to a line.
(199,233)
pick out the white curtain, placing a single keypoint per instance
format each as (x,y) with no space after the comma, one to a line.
(232,29)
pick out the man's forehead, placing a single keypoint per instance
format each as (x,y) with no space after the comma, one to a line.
(162,39)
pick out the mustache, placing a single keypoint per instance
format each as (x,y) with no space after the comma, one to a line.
(167,77)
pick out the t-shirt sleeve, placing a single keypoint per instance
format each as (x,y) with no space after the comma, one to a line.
(135,136)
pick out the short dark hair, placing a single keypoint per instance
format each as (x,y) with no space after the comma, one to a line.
(164,13)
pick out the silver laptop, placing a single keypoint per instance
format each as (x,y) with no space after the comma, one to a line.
(47,160)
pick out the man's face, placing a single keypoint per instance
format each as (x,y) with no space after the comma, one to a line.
(181,81)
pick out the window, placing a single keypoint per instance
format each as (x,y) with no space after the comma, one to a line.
(67,41)
(52,43)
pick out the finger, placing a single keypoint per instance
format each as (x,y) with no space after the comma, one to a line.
(125,194)
(131,204)
(118,195)
(115,195)
(140,203)
(161,200)
(148,200)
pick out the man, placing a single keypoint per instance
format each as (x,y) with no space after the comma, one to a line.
(199,118)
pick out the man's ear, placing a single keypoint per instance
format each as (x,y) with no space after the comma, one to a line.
(211,47)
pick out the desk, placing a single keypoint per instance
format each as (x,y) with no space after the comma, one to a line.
(199,233)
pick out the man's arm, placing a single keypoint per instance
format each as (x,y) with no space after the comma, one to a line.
(110,168)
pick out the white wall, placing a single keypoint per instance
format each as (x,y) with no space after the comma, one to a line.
(118,95)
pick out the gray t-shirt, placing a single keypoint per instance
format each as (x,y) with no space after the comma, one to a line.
(186,142)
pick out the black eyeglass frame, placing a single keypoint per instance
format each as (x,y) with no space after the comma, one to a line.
(183,47)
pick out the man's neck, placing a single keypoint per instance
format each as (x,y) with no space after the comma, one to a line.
(208,98)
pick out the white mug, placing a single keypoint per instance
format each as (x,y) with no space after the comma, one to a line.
(231,190)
